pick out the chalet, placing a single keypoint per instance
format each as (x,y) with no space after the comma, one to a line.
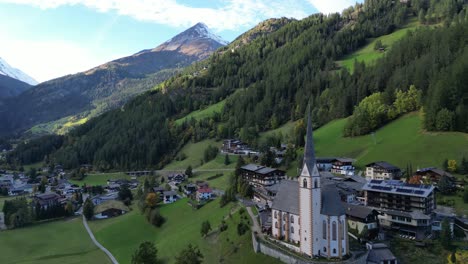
(21,189)
(159,190)
(234,146)
(325,164)
(204,194)
(6,181)
(190,188)
(379,253)
(46,199)
(361,216)
(342,166)
(258,176)
(381,170)
(433,175)
(99,199)
(109,209)
(169,197)
(177,178)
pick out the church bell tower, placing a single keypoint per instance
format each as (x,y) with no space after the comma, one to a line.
(309,196)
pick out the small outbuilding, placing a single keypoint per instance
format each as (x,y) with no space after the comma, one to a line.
(110,209)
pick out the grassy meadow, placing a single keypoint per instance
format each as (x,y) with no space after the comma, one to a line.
(203,113)
(182,227)
(400,142)
(50,243)
(100,178)
(367,54)
(194,155)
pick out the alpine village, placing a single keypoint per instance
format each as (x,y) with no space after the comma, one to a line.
(335,138)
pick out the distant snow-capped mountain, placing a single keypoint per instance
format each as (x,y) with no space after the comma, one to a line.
(7,70)
(197,40)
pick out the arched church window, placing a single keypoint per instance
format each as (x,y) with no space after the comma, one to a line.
(304,183)
(276,214)
(292,229)
(276,224)
(343,230)
(334,251)
(324,249)
(324,229)
(292,219)
(285,217)
(315,183)
(334,230)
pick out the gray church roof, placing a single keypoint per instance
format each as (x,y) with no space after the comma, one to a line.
(331,202)
(287,198)
(309,149)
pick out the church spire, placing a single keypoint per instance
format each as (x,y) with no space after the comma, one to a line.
(309,150)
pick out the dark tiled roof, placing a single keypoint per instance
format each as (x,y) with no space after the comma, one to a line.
(258,169)
(47,196)
(170,193)
(383,164)
(287,198)
(325,159)
(331,202)
(379,253)
(357,211)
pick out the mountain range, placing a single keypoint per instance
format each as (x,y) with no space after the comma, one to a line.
(13,81)
(107,86)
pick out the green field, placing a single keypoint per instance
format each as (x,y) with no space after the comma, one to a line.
(400,142)
(181,228)
(50,243)
(286,130)
(203,113)
(194,155)
(100,178)
(367,54)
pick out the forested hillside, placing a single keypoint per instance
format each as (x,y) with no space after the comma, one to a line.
(270,81)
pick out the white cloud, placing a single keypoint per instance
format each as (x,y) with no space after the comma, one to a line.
(45,60)
(332,6)
(231,15)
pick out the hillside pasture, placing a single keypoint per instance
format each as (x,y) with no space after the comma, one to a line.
(50,243)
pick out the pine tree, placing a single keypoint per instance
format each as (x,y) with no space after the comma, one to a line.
(445,234)
(145,254)
(88,209)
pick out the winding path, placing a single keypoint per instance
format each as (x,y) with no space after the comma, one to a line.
(111,257)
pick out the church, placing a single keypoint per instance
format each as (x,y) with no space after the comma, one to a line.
(309,215)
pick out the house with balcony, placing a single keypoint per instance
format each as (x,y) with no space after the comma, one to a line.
(343,166)
(381,170)
(258,176)
(404,208)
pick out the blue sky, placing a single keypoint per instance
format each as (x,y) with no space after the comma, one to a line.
(51,38)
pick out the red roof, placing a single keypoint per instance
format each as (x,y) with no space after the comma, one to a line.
(204,190)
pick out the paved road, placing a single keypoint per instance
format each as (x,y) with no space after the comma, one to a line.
(111,257)
(255,226)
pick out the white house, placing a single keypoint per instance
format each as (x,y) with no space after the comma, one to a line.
(169,197)
(204,193)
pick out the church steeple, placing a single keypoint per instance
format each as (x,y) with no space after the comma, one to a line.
(309,149)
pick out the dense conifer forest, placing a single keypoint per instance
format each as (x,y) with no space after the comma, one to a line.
(272,79)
